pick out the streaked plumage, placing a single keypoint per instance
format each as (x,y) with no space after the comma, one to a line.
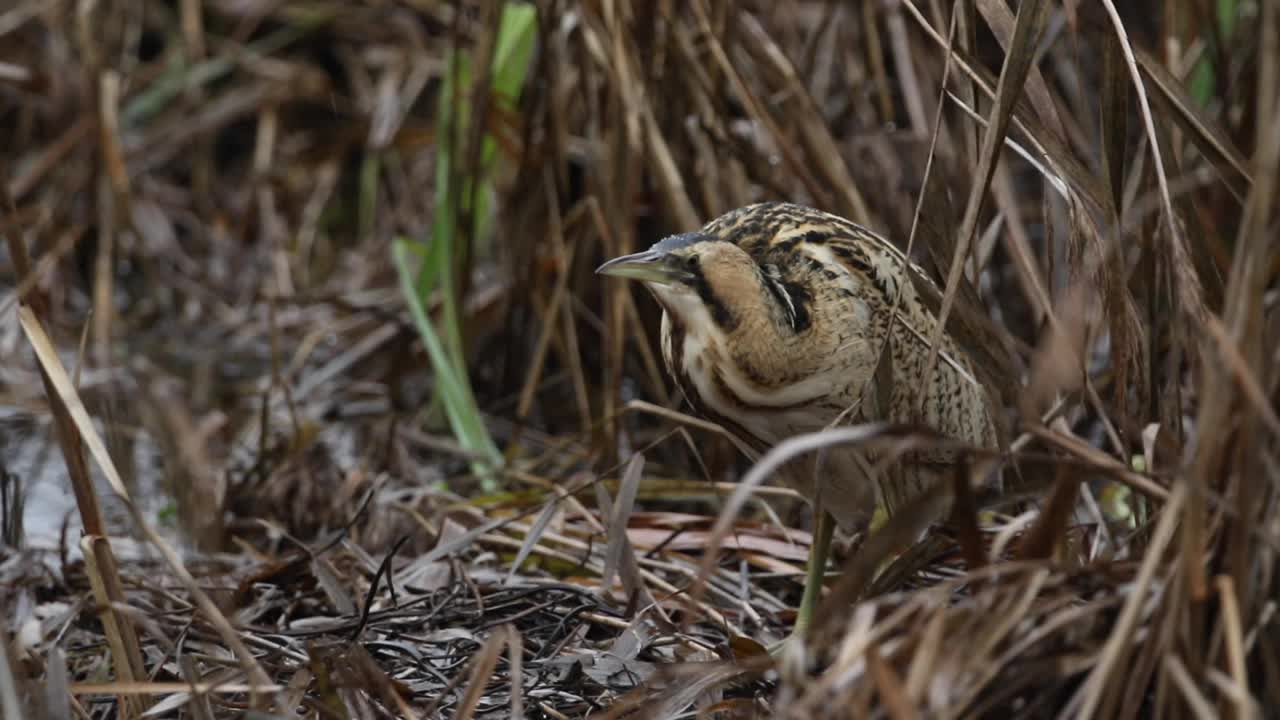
(779,331)
(774,318)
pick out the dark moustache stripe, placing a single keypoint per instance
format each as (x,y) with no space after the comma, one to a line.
(720,313)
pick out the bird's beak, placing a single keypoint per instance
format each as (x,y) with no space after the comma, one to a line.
(652,266)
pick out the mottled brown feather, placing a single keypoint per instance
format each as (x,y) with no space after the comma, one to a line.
(782,334)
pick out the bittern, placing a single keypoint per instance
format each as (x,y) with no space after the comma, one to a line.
(774,319)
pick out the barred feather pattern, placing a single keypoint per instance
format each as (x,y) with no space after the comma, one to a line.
(785,337)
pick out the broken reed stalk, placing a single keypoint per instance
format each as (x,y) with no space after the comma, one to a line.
(71,423)
(100,562)
(83,424)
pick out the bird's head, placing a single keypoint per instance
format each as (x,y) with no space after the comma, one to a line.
(695,276)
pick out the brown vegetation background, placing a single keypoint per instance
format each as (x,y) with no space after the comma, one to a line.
(234,476)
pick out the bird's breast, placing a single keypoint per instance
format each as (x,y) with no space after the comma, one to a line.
(714,388)
(718,388)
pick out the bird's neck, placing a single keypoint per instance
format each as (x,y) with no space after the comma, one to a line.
(768,353)
(760,362)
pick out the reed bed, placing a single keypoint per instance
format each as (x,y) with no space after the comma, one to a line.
(311,404)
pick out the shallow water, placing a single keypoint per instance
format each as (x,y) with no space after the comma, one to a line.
(30,453)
